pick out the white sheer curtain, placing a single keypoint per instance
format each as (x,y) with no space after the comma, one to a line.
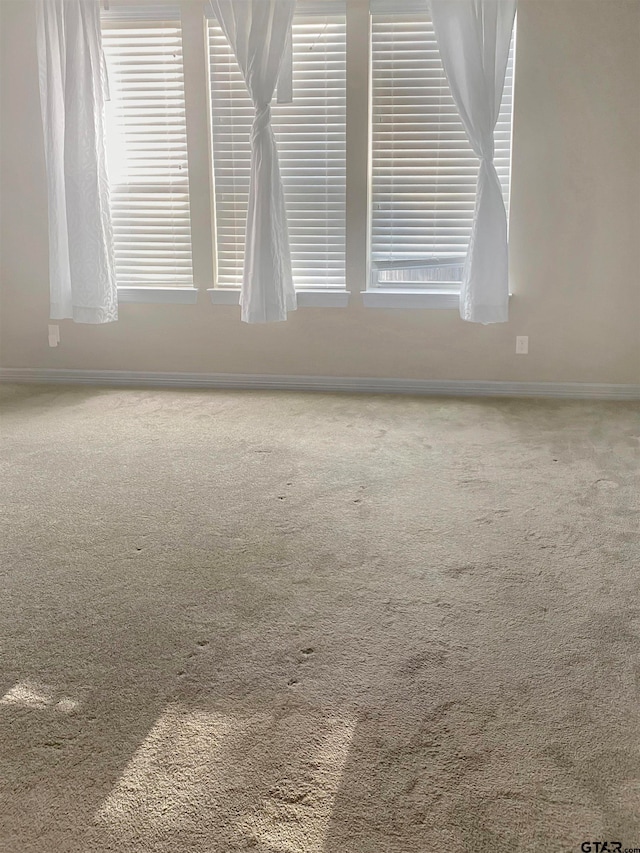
(257,31)
(473,40)
(72,93)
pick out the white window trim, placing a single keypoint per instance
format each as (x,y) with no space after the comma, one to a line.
(305,297)
(409,299)
(380,297)
(167,295)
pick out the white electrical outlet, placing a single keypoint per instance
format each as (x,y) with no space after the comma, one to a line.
(54,335)
(522,344)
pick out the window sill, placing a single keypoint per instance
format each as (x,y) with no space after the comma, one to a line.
(184,295)
(396,298)
(334,298)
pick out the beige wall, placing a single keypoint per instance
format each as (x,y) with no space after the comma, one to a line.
(575,238)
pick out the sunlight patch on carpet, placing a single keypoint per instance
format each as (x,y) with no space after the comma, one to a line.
(262,777)
(295,815)
(29,694)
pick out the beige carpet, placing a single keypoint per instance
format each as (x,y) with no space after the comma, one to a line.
(297,623)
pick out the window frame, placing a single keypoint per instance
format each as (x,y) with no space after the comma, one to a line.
(435,295)
(167,293)
(358,290)
(308,294)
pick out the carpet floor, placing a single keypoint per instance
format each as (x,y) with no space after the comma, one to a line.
(315,623)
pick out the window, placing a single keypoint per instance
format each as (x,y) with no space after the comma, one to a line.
(147,144)
(414,206)
(424,170)
(310,135)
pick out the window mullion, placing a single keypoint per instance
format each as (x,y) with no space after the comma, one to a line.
(358,147)
(198,121)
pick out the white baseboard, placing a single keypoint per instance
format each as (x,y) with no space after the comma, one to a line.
(371,385)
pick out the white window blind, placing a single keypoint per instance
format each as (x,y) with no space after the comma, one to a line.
(310,134)
(147,144)
(424,170)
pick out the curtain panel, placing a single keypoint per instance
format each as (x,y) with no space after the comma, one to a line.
(473,40)
(73,86)
(258,33)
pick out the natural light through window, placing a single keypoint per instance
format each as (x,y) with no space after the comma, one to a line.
(311,137)
(30,694)
(197,761)
(147,144)
(424,171)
